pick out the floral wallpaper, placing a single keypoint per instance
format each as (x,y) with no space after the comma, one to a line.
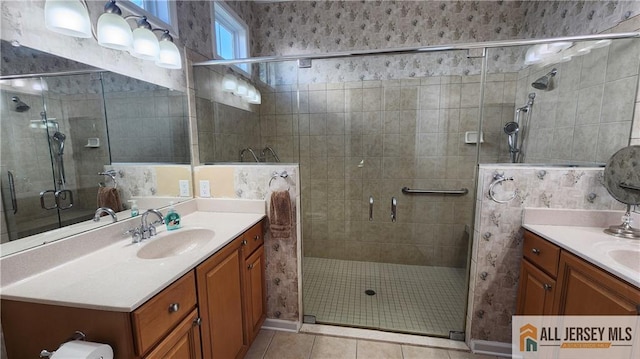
(497,243)
(254,182)
(306,27)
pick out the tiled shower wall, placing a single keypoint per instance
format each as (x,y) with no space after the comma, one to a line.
(371,138)
(497,244)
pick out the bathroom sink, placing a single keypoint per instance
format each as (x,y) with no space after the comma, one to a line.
(624,252)
(626,257)
(175,243)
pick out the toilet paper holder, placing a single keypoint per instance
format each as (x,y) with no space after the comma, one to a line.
(78,335)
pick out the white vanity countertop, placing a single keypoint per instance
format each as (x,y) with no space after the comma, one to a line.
(586,239)
(113,278)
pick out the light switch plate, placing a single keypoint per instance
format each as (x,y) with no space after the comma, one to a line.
(205,190)
(184,188)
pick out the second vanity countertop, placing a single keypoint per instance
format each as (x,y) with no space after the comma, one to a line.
(113,278)
(585,238)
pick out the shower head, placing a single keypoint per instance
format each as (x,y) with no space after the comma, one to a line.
(19,105)
(511,128)
(543,82)
(59,137)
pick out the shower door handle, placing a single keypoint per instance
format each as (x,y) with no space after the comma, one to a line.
(370,208)
(12,190)
(394,207)
(42,200)
(62,195)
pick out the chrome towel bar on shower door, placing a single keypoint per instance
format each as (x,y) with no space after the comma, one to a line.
(457,192)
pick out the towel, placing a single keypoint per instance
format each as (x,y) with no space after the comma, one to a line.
(110,198)
(280,215)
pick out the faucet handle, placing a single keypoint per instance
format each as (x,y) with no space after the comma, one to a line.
(152,229)
(136,235)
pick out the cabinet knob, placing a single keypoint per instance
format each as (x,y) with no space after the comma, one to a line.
(250,266)
(174,307)
(547,286)
(256,238)
(535,251)
(244,242)
(197,322)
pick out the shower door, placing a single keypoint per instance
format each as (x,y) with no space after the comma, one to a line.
(49,177)
(375,256)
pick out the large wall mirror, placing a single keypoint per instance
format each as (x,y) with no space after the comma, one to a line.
(576,107)
(65,122)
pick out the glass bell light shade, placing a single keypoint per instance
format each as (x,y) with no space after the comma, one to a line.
(67,17)
(257,98)
(251,93)
(114,32)
(169,56)
(229,83)
(145,44)
(243,88)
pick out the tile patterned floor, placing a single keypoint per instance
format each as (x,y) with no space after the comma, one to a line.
(284,345)
(410,299)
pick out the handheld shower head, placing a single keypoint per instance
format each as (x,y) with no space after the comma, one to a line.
(543,82)
(59,137)
(19,105)
(511,128)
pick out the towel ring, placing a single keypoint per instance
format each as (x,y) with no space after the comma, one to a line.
(498,179)
(284,175)
(112,175)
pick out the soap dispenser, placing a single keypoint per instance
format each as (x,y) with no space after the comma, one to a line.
(172,219)
(134,208)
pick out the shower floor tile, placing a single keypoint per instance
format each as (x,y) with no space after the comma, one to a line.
(409,298)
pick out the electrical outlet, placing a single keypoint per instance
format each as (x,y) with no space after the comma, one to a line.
(205,190)
(184,188)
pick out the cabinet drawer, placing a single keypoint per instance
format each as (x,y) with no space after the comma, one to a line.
(254,237)
(542,253)
(157,317)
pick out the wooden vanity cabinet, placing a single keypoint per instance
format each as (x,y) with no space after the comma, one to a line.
(537,276)
(587,289)
(254,281)
(232,297)
(554,281)
(214,311)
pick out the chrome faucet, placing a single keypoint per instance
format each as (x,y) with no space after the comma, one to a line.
(248,149)
(101,210)
(273,153)
(149,230)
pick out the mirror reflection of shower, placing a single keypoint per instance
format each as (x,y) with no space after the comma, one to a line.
(56,141)
(516,130)
(19,105)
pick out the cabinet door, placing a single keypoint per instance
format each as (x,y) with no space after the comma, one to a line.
(182,343)
(255,293)
(220,300)
(588,290)
(536,291)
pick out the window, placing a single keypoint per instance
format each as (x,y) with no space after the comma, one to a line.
(159,13)
(231,40)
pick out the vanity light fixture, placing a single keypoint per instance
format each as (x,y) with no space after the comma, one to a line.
(67,17)
(169,55)
(241,89)
(71,17)
(229,83)
(145,44)
(113,30)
